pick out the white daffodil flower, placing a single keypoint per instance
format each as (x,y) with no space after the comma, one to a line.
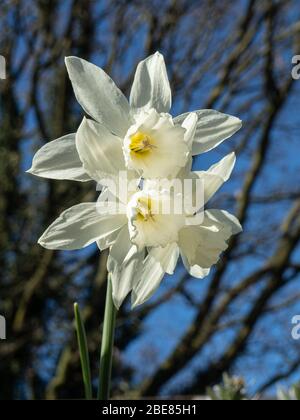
(138,138)
(145,241)
(199,241)
(139,134)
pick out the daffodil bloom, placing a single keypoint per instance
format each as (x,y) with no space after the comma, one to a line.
(141,138)
(140,134)
(144,241)
(199,241)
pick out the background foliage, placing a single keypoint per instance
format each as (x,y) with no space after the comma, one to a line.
(234,56)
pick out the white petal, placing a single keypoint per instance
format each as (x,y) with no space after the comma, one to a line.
(59,159)
(98,95)
(212,129)
(124,263)
(216,175)
(79,226)
(151,88)
(224,167)
(200,186)
(108,240)
(195,270)
(99,150)
(224,218)
(201,245)
(105,199)
(169,263)
(154,269)
(190,124)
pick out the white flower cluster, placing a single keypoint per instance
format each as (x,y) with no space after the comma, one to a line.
(139,137)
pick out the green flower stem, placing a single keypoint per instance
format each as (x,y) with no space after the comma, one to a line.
(84,355)
(107,344)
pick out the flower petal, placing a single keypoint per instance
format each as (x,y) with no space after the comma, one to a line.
(124,264)
(98,95)
(216,175)
(108,240)
(99,150)
(169,263)
(59,159)
(154,268)
(151,88)
(80,226)
(224,167)
(201,246)
(223,217)
(212,129)
(190,124)
(195,270)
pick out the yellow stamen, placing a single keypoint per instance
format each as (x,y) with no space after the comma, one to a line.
(141,143)
(144,209)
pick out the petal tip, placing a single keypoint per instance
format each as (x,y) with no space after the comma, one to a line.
(71,61)
(41,242)
(134,304)
(134,300)
(239,228)
(67,60)
(230,159)
(158,54)
(70,58)
(116,302)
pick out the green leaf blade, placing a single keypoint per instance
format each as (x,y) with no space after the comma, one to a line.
(83,351)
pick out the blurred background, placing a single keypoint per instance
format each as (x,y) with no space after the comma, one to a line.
(233,56)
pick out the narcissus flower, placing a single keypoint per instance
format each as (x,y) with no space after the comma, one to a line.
(142,140)
(199,238)
(139,134)
(145,242)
